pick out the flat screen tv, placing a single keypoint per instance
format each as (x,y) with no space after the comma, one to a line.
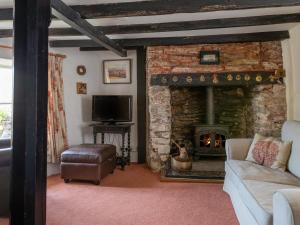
(112,108)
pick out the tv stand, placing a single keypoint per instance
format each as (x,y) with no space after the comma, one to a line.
(115,128)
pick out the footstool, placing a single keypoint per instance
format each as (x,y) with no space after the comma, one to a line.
(88,162)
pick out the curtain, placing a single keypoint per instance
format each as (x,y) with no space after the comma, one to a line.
(57,128)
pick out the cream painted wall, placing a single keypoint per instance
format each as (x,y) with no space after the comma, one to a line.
(78,107)
(291,55)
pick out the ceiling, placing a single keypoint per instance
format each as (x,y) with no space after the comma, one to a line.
(176,17)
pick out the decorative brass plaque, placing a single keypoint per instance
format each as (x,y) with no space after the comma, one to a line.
(238,77)
(202,78)
(215,79)
(189,79)
(164,80)
(229,77)
(175,79)
(272,78)
(247,77)
(259,78)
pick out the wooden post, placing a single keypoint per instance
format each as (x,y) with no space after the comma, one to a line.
(141,102)
(28,190)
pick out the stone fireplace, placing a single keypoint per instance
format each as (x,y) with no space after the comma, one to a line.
(203,116)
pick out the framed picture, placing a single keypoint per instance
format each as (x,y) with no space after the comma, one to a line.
(209,57)
(117,71)
(81,88)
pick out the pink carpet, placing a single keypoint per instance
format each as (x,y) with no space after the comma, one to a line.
(137,197)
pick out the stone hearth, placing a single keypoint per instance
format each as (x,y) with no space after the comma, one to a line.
(174,111)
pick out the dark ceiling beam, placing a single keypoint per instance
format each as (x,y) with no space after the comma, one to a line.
(162,7)
(211,39)
(178,26)
(203,24)
(73,18)
(6,14)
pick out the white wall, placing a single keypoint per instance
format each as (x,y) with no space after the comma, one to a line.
(291,55)
(4,52)
(78,107)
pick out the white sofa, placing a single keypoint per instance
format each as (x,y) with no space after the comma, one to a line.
(261,195)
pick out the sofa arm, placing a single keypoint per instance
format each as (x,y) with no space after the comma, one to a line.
(286,207)
(237,148)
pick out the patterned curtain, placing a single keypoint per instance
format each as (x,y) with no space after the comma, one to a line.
(57,129)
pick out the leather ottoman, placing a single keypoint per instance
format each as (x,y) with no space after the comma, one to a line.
(88,162)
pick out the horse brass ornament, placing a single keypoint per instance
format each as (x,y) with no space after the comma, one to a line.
(189,79)
(202,78)
(229,77)
(259,78)
(247,77)
(174,79)
(238,77)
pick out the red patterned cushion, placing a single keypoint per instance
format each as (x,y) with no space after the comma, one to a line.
(269,152)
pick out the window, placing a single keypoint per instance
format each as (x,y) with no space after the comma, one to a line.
(6,93)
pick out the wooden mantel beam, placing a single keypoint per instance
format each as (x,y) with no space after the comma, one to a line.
(210,39)
(162,7)
(73,18)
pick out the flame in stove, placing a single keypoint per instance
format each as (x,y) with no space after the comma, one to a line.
(207,141)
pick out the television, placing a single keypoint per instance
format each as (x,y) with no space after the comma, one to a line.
(112,108)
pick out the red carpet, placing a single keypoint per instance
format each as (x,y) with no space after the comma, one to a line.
(136,197)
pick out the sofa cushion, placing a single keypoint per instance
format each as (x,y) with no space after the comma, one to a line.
(270,152)
(255,194)
(258,196)
(261,215)
(251,171)
(291,132)
(88,153)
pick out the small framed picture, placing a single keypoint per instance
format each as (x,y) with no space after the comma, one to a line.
(81,88)
(117,71)
(209,57)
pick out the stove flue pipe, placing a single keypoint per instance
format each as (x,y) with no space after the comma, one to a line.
(210,110)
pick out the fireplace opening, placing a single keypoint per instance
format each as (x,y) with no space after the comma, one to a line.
(204,117)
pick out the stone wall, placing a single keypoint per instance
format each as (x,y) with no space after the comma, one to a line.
(269,109)
(188,108)
(245,110)
(265,104)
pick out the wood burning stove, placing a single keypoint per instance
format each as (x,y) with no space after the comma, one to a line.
(209,139)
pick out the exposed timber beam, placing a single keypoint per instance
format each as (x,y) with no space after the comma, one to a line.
(73,18)
(161,7)
(6,14)
(178,26)
(203,24)
(181,26)
(211,39)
